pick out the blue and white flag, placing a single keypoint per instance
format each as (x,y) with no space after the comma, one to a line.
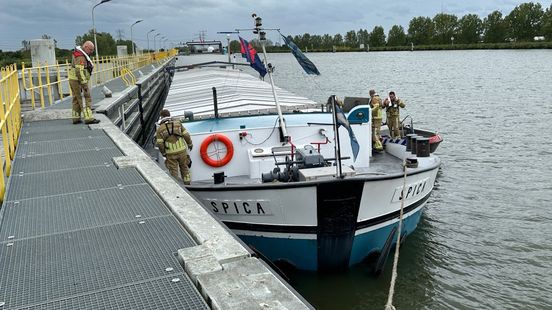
(307,65)
(341,120)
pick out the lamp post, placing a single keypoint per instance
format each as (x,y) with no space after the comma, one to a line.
(131,42)
(155,46)
(94,30)
(228,47)
(147,37)
(452,41)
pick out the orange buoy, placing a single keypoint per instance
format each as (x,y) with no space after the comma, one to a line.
(216,162)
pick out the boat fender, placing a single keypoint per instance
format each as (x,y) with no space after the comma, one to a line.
(385,252)
(215,162)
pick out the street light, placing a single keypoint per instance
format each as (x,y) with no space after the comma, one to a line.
(154,46)
(228,47)
(94,30)
(147,37)
(131,42)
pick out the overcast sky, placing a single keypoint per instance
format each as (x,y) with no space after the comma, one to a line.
(182,20)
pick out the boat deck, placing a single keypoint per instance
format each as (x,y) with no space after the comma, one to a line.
(78,233)
(380,164)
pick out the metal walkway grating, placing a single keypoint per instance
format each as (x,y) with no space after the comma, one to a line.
(57,214)
(59,147)
(64,161)
(44,268)
(55,135)
(26,186)
(53,127)
(160,293)
(78,233)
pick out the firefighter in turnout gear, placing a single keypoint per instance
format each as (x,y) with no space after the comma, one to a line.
(377,116)
(393,104)
(79,74)
(173,141)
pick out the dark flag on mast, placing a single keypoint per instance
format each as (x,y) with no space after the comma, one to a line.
(307,65)
(249,53)
(341,120)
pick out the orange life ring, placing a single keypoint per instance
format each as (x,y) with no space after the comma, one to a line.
(217,137)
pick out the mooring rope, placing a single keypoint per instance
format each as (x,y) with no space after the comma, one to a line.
(389,304)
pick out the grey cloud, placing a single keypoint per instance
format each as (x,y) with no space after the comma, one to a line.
(181,20)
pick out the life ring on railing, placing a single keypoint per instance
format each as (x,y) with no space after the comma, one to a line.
(216,162)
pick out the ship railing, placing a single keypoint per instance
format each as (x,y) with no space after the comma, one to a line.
(403,122)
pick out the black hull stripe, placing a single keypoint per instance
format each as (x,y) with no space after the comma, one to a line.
(271,228)
(313,229)
(387,217)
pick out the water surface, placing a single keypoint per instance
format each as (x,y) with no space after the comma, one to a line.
(485,238)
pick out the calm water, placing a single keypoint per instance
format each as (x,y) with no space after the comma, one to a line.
(485,238)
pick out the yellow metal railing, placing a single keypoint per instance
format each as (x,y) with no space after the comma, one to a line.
(128,77)
(37,80)
(10,120)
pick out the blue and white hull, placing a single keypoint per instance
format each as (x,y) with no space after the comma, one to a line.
(320,225)
(301,250)
(274,179)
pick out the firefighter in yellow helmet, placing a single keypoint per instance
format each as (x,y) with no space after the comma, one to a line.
(377,116)
(173,141)
(393,104)
(79,74)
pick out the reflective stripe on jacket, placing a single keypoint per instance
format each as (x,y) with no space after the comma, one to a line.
(375,104)
(172,138)
(176,148)
(80,69)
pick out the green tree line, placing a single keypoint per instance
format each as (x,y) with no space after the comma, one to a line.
(517,29)
(525,22)
(24,54)
(107,47)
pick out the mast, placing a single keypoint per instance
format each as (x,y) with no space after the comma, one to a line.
(337,146)
(262,38)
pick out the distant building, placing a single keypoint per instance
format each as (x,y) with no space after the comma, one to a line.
(200,47)
(538,38)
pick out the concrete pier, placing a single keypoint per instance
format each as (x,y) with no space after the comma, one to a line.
(91,221)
